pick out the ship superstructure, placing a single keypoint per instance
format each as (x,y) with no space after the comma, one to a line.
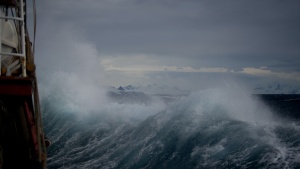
(22,140)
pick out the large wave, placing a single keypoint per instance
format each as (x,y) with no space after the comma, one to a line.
(217,128)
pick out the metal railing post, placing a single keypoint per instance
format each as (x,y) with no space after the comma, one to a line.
(23,38)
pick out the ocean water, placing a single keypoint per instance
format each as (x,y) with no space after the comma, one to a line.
(214,128)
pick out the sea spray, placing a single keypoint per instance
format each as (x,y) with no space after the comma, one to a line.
(223,127)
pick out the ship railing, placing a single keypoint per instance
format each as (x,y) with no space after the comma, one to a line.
(22,54)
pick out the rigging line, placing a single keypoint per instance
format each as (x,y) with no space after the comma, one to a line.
(34,26)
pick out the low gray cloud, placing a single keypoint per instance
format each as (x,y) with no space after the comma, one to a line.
(230,35)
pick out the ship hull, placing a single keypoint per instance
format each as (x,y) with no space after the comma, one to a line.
(21,142)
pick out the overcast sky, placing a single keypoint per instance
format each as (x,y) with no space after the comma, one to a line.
(184,43)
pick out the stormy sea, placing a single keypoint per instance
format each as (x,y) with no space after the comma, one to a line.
(212,128)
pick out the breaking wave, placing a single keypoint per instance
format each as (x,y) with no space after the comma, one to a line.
(216,128)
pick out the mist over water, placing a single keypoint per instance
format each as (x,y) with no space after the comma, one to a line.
(223,127)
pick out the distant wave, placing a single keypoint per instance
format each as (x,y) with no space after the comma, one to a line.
(216,128)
